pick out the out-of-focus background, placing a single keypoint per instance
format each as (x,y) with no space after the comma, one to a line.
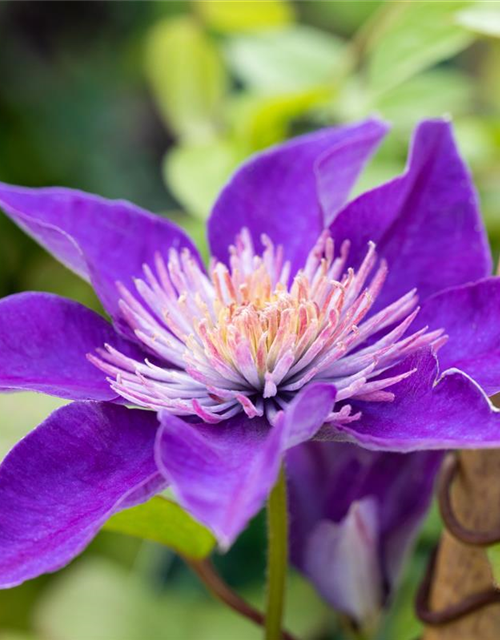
(158,102)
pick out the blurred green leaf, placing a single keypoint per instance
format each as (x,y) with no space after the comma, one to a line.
(478,141)
(432,528)
(493,553)
(43,273)
(285,61)
(245,15)
(401,623)
(195,173)
(163,521)
(262,121)
(433,93)
(187,77)
(22,412)
(343,17)
(488,78)
(482,18)
(379,170)
(411,36)
(196,230)
(99,600)
(306,613)
(430,94)
(490,196)
(346,17)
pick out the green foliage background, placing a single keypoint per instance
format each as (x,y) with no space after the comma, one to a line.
(158,102)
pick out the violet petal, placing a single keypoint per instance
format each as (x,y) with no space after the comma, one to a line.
(223,473)
(281,191)
(428,412)
(426,223)
(66,478)
(103,241)
(341,560)
(328,485)
(470,316)
(44,342)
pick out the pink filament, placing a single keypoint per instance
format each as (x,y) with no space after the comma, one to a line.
(241,339)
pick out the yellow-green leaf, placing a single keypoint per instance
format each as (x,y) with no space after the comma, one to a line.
(427,95)
(482,18)
(343,17)
(411,37)
(245,15)
(288,60)
(22,412)
(164,521)
(187,77)
(260,121)
(493,553)
(195,173)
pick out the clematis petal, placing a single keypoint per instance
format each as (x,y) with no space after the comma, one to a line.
(470,315)
(64,479)
(426,223)
(428,412)
(44,342)
(404,484)
(342,561)
(223,473)
(285,191)
(103,241)
(355,514)
(306,413)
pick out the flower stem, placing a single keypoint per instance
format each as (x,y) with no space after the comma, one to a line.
(220,590)
(277,557)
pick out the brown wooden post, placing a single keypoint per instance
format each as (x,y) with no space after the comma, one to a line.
(462,570)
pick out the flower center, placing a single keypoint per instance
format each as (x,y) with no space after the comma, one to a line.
(242,339)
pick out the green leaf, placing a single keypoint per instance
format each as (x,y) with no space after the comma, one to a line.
(100,600)
(284,61)
(263,121)
(187,77)
(43,273)
(195,173)
(411,37)
(164,521)
(345,17)
(22,412)
(478,142)
(430,94)
(245,15)
(482,18)
(196,230)
(493,553)
(400,621)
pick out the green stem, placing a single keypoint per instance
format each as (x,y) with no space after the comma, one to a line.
(205,571)
(277,557)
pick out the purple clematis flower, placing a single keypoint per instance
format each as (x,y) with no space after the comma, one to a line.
(306,325)
(354,516)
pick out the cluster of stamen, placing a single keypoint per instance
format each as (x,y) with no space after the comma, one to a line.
(243,339)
